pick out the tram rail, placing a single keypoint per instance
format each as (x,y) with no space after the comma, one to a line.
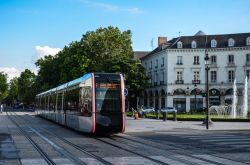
(34,144)
(103,161)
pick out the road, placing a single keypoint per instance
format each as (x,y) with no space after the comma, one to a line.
(146,141)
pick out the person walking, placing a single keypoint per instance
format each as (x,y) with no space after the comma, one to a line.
(1,108)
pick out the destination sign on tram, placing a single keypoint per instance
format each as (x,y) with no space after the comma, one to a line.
(107,85)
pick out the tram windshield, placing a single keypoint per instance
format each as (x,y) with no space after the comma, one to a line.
(108,96)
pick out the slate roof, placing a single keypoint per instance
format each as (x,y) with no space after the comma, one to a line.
(203,41)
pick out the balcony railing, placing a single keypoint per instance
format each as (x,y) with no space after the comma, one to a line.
(179,81)
(247,63)
(213,64)
(179,63)
(213,81)
(230,64)
(196,81)
(196,63)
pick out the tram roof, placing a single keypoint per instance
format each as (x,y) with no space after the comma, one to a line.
(68,84)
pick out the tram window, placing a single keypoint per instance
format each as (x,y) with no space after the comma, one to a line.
(72,101)
(86,101)
(59,101)
(47,103)
(52,102)
(108,97)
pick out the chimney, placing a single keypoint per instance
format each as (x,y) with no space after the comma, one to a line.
(162,40)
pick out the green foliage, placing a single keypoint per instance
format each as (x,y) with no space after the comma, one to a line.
(26,90)
(3,86)
(104,50)
(13,91)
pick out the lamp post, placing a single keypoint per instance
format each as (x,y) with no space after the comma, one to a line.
(207,90)
(195,92)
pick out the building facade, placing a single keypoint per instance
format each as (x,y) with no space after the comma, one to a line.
(176,69)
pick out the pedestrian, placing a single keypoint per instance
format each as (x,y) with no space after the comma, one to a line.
(1,108)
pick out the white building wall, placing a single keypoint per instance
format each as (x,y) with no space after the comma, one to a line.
(170,68)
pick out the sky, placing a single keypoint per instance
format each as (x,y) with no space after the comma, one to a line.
(31,29)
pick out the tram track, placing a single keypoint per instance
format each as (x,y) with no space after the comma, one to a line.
(156,145)
(129,145)
(34,144)
(101,160)
(110,144)
(57,148)
(133,152)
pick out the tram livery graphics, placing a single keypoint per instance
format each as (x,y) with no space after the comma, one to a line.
(93,103)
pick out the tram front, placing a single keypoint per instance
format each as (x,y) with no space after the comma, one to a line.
(109,103)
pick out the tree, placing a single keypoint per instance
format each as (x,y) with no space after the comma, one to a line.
(3,86)
(13,91)
(104,50)
(26,91)
(49,72)
(110,50)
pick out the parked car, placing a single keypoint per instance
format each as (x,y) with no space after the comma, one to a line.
(169,109)
(147,109)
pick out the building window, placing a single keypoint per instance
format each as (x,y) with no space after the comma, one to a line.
(146,66)
(230,59)
(213,76)
(193,45)
(213,60)
(162,61)
(156,63)
(179,60)
(150,66)
(162,78)
(196,75)
(230,76)
(179,76)
(213,43)
(179,44)
(231,42)
(196,60)
(150,79)
(247,57)
(248,40)
(156,79)
(248,73)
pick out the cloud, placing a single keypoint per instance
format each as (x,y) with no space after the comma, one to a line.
(112,8)
(42,51)
(11,72)
(135,10)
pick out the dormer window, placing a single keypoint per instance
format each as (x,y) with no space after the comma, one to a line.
(231,42)
(193,45)
(213,43)
(248,40)
(179,44)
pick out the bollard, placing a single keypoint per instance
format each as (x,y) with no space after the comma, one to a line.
(157,114)
(136,115)
(174,116)
(143,115)
(164,116)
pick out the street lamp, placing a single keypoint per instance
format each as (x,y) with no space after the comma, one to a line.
(207,90)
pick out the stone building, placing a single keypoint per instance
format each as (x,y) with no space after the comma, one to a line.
(177,70)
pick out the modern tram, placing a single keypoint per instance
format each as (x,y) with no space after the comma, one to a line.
(93,103)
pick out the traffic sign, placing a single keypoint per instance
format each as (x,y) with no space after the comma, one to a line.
(125,92)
